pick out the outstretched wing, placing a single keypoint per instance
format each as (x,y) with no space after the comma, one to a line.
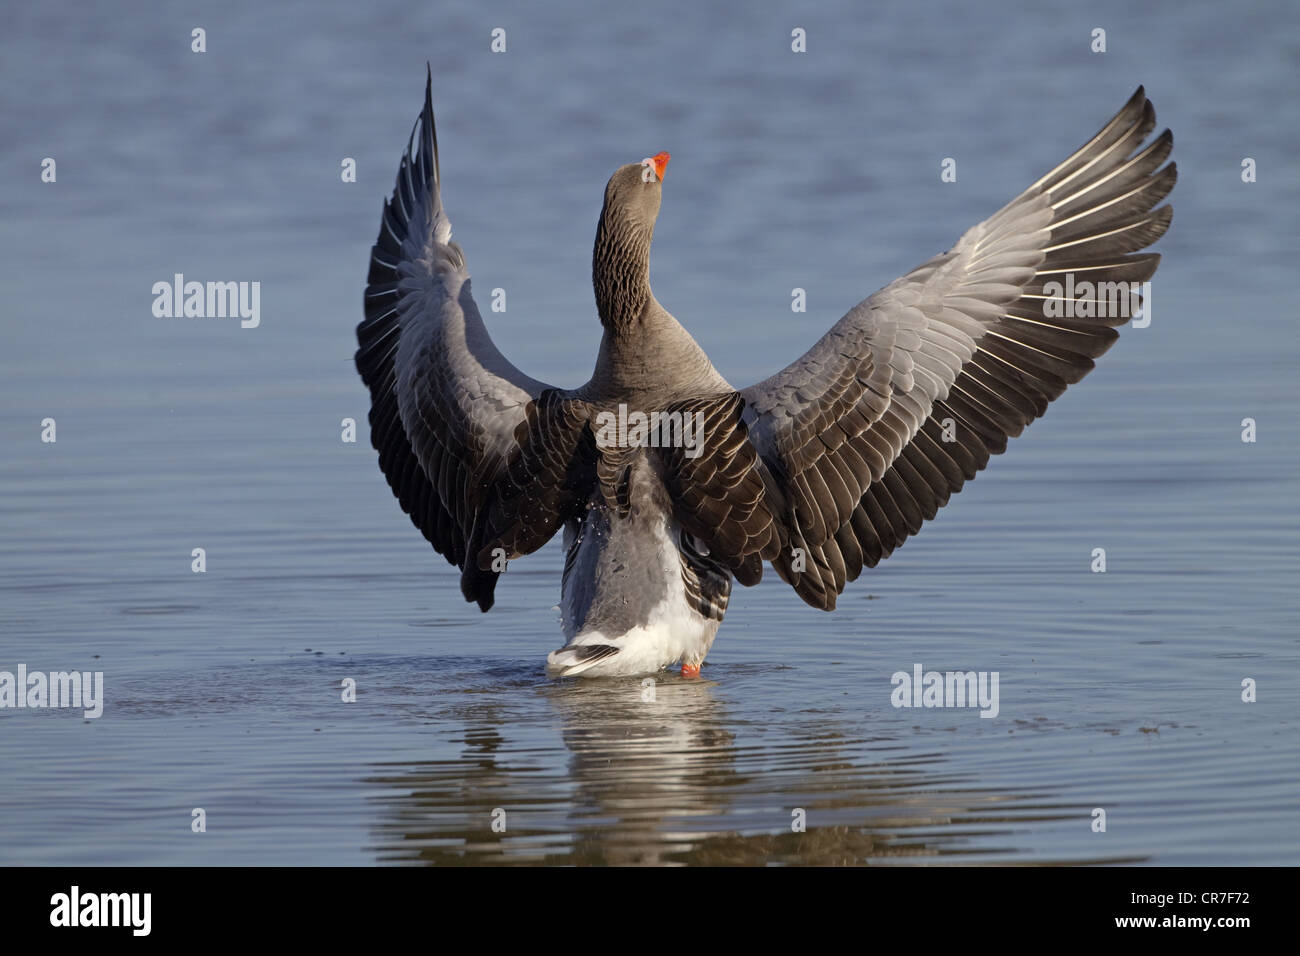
(465,439)
(716,489)
(869,433)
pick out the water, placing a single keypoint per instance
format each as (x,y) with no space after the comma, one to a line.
(1119,691)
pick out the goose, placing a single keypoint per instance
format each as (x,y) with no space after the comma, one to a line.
(668,483)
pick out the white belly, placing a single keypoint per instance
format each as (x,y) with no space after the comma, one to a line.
(628,594)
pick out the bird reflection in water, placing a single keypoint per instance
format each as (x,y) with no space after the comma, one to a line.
(660,774)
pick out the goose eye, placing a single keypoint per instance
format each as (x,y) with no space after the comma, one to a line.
(648,171)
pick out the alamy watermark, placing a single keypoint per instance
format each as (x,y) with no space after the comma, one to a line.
(209,300)
(923,688)
(84,689)
(1098,300)
(626,429)
(75,908)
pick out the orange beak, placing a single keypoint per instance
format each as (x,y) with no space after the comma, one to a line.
(661,163)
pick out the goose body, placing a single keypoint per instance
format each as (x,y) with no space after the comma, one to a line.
(668,483)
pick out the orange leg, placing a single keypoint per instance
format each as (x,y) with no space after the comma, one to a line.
(690,670)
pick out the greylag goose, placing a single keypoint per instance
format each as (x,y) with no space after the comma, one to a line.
(668,482)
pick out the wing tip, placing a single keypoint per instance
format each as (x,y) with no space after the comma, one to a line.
(429,133)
